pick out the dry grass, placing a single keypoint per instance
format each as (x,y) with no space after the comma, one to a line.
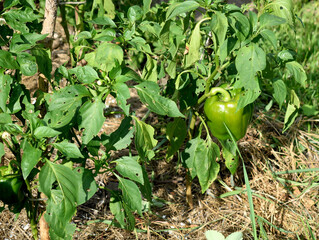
(289,202)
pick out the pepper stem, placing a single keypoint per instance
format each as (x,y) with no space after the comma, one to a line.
(218,90)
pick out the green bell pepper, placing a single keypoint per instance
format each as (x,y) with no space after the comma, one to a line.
(11,187)
(220,110)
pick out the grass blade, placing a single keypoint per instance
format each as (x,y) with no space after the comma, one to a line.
(249,193)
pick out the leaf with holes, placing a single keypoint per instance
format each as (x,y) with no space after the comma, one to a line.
(63,105)
(84,74)
(87,185)
(230,156)
(5,87)
(283,9)
(128,167)
(250,59)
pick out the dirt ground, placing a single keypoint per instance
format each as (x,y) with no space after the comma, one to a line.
(288,202)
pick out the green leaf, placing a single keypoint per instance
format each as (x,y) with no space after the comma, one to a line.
(17,93)
(43,58)
(28,65)
(87,185)
(309,110)
(134,14)
(110,8)
(91,118)
(150,27)
(200,158)
(104,20)
(144,140)
(269,20)
(5,87)
(17,18)
(67,97)
(228,46)
(21,42)
(146,6)
(10,3)
(146,188)
(250,59)
(117,209)
(129,168)
(64,104)
(292,110)
(235,236)
(30,158)
(105,35)
(7,60)
(45,132)
(295,69)
(176,133)
(131,194)
(188,156)
(141,45)
(106,56)
(230,156)
(240,24)
(280,92)
(286,55)
(122,94)
(249,97)
(84,74)
(150,69)
(2,152)
(194,46)
(180,7)
(13,128)
(61,230)
(283,9)
(205,163)
(214,235)
(219,24)
(270,36)
(62,200)
(253,19)
(149,95)
(121,138)
(5,118)
(68,149)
